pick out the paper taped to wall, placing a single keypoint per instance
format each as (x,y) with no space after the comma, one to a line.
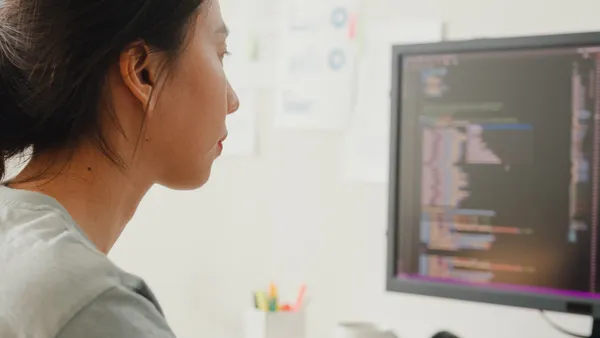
(249,42)
(367,138)
(317,69)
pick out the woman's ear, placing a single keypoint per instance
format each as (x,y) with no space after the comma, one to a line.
(139,73)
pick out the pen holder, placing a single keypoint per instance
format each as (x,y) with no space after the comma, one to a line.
(260,324)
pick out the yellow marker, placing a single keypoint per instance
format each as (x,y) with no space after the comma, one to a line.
(261,301)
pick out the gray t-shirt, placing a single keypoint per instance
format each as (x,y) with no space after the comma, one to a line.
(55,284)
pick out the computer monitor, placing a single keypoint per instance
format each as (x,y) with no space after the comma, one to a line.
(495,172)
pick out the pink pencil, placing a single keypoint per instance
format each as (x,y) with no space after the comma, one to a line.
(300,298)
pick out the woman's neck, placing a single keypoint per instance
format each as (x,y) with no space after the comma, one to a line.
(99,195)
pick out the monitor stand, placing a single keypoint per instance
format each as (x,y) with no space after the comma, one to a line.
(595,328)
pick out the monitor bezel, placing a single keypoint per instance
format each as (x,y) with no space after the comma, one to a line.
(483,294)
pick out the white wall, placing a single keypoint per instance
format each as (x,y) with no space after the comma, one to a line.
(203,252)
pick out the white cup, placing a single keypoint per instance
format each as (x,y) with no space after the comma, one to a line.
(260,324)
(360,330)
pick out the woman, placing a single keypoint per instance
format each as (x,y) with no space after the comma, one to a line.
(112,97)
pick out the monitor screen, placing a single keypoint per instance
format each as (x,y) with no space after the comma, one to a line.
(498,169)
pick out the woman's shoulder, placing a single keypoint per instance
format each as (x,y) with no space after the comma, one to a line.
(128,311)
(49,270)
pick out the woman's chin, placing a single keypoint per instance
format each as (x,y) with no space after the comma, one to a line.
(186,180)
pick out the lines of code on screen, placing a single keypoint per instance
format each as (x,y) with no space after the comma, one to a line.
(507,167)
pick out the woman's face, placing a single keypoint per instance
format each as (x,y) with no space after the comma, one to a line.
(185,130)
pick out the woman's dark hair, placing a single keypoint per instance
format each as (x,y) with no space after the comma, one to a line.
(54,60)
